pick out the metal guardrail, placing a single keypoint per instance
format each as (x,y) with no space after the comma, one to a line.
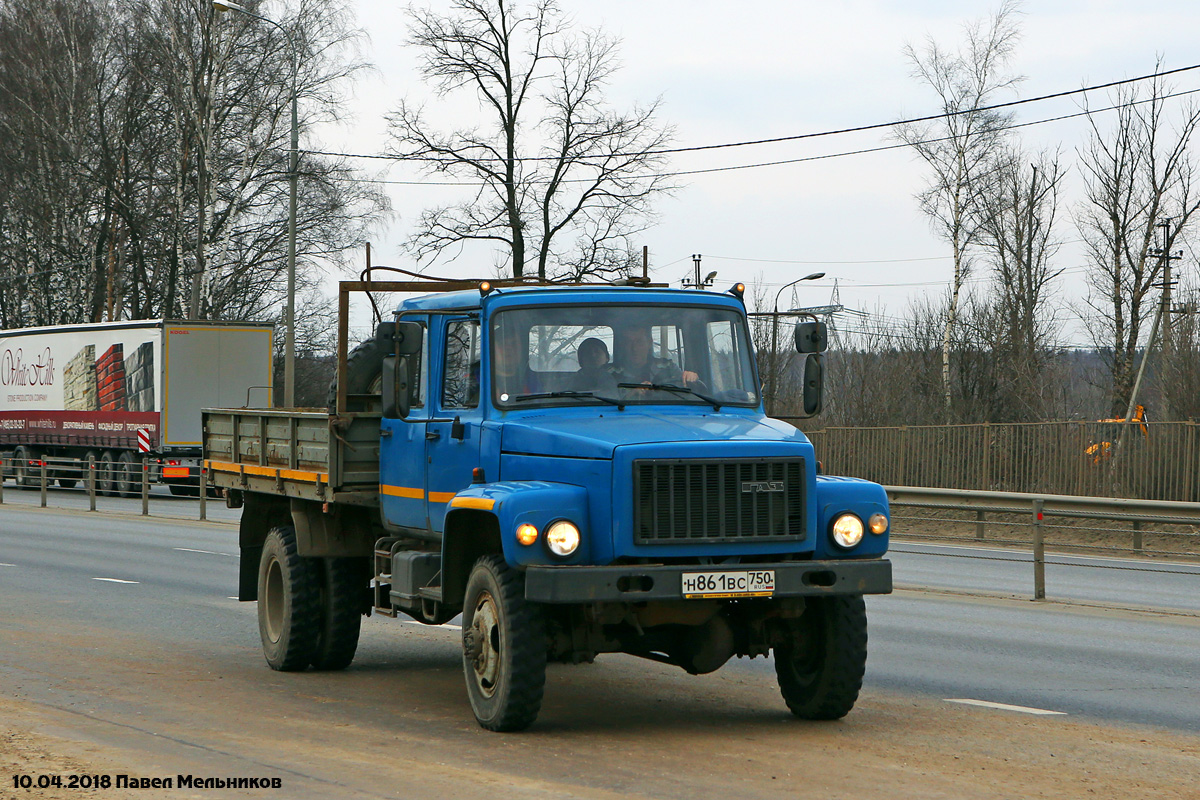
(41,473)
(1039,507)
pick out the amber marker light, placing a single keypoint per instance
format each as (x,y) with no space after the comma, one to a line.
(527,534)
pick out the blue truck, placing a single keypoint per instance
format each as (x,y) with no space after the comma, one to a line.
(574,470)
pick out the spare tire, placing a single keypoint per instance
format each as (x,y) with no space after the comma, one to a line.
(364,377)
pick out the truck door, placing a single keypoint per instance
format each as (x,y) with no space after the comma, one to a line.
(402,457)
(452,448)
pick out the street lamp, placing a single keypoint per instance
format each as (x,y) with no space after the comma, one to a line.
(775,337)
(289,347)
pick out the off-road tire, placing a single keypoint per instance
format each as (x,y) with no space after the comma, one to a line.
(289,602)
(821,661)
(504,647)
(342,584)
(364,371)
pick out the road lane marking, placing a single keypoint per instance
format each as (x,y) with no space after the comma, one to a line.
(114,580)
(206,552)
(7,565)
(1006,707)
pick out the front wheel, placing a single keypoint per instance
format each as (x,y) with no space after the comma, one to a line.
(504,647)
(822,656)
(289,602)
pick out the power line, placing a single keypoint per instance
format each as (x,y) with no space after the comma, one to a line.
(780,162)
(812,135)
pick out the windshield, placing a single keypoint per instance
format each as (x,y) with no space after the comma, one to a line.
(584,355)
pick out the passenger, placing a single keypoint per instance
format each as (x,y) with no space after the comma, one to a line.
(595,374)
(637,364)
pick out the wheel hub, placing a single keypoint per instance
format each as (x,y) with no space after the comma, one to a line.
(481,644)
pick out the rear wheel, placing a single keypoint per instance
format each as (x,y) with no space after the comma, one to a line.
(106,474)
(128,476)
(289,615)
(343,587)
(504,647)
(22,472)
(822,656)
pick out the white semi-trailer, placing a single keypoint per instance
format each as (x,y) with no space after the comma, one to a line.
(124,392)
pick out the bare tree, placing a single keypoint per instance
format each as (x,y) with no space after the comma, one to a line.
(959,149)
(553,161)
(146,168)
(1137,173)
(1017,240)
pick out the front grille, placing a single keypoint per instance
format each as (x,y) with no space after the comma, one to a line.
(684,501)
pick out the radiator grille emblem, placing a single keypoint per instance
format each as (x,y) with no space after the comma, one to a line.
(760,487)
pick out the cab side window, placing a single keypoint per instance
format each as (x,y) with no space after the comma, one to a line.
(460,378)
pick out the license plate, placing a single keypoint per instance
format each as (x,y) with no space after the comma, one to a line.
(747,583)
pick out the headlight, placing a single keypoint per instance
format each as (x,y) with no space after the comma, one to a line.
(847,530)
(878,523)
(562,537)
(527,534)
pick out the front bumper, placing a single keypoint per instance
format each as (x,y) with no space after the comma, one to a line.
(631,583)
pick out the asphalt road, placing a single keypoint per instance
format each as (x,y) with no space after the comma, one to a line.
(124,628)
(1127,582)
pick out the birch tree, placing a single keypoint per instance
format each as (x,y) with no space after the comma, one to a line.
(959,149)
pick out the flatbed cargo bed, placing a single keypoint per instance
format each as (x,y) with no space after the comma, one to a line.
(301,453)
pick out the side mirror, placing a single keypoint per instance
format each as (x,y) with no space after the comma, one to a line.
(395,395)
(811,337)
(813,390)
(408,338)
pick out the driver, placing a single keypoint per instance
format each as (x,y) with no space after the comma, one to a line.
(510,366)
(635,362)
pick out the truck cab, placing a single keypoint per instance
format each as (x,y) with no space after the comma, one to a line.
(577,470)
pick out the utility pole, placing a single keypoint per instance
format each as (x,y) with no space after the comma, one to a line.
(698,282)
(1164,314)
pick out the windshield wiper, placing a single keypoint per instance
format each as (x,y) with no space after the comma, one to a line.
(620,404)
(670,387)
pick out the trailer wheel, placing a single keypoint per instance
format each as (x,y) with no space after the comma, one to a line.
(822,657)
(364,374)
(106,479)
(289,613)
(21,473)
(343,585)
(504,647)
(128,476)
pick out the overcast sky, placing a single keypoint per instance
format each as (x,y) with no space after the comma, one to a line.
(729,72)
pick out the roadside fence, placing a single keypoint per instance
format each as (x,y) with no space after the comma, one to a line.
(124,478)
(1150,461)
